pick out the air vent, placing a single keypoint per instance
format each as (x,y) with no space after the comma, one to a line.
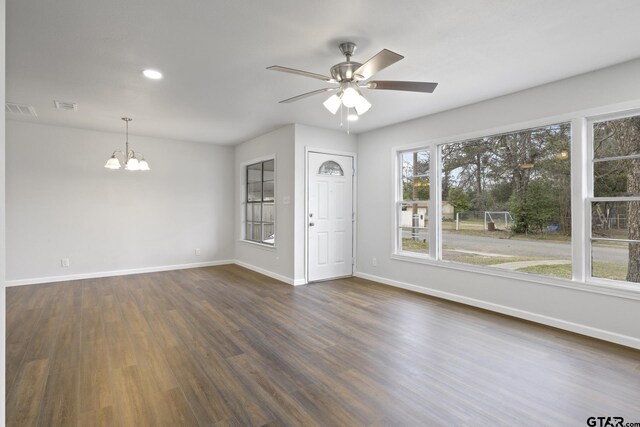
(20,109)
(64,105)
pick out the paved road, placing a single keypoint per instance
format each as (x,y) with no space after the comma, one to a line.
(526,248)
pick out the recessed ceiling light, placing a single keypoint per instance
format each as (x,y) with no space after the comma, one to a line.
(352,117)
(152,74)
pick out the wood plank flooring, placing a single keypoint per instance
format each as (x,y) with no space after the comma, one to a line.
(225,346)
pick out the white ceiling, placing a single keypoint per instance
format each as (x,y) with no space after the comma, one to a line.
(213,55)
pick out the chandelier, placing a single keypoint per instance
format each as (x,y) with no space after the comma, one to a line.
(132,161)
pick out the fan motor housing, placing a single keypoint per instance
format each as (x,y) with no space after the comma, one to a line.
(344,71)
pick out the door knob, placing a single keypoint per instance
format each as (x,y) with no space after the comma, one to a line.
(311,224)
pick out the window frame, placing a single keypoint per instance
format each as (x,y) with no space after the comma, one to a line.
(590,198)
(581,176)
(244,202)
(397,211)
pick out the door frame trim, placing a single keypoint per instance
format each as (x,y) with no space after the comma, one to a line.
(354,205)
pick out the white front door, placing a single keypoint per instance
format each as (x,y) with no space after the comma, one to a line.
(330,216)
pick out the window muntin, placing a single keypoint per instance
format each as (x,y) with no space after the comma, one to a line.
(506,201)
(412,206)
(615,204)
(259,202)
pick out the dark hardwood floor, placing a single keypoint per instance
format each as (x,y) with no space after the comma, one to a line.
(226,346)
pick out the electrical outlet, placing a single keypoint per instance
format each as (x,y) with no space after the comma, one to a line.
(374,262)
(198,252)
(64,262)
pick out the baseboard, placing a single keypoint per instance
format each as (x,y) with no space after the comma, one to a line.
(522,314)
(280,277)
(51,279)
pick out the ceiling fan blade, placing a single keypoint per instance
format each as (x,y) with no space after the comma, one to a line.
(427,87)
(299,72)
(304,95)
(380,61)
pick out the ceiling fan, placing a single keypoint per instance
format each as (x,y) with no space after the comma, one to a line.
(353,76)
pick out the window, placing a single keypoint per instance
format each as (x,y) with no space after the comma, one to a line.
(259,202)
(506,201)
(413,203)
(330,168)
(615,199)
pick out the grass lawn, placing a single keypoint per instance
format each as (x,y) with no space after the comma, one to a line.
(479,259)
(505,234)
(605,270)
(411,245)
(600,269)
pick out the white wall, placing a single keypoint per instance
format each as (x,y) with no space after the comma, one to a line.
(286,261)
(610,317)
(62,203)
(275,261)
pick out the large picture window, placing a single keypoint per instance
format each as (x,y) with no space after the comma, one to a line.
(259,202)
(506,201)
(615,199)
(503,201)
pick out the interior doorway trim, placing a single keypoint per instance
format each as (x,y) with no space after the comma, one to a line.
(354,205)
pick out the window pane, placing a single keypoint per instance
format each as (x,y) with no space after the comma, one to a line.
(613,138)
(253,212)
(413,218)
(256,232)
(268,212)
(268,191)
(260,216)
(506,201)
(249,231)
(414,233)
(415,163)
(269,170)
(615,220)
(414,239)
(616,178)
(254,191)
(269,233)
(612,260)
(330,168)
(254,173)
(415,188)
(618,220)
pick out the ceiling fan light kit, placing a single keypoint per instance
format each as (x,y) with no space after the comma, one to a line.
(332,103)
(130,157)
(351,77)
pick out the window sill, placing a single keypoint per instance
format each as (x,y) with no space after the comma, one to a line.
(604,287)
(264,246)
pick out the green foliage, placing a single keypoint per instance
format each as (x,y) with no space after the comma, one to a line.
(501,193)
(421,188)
(459,200)
(536,209)
(484,202)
